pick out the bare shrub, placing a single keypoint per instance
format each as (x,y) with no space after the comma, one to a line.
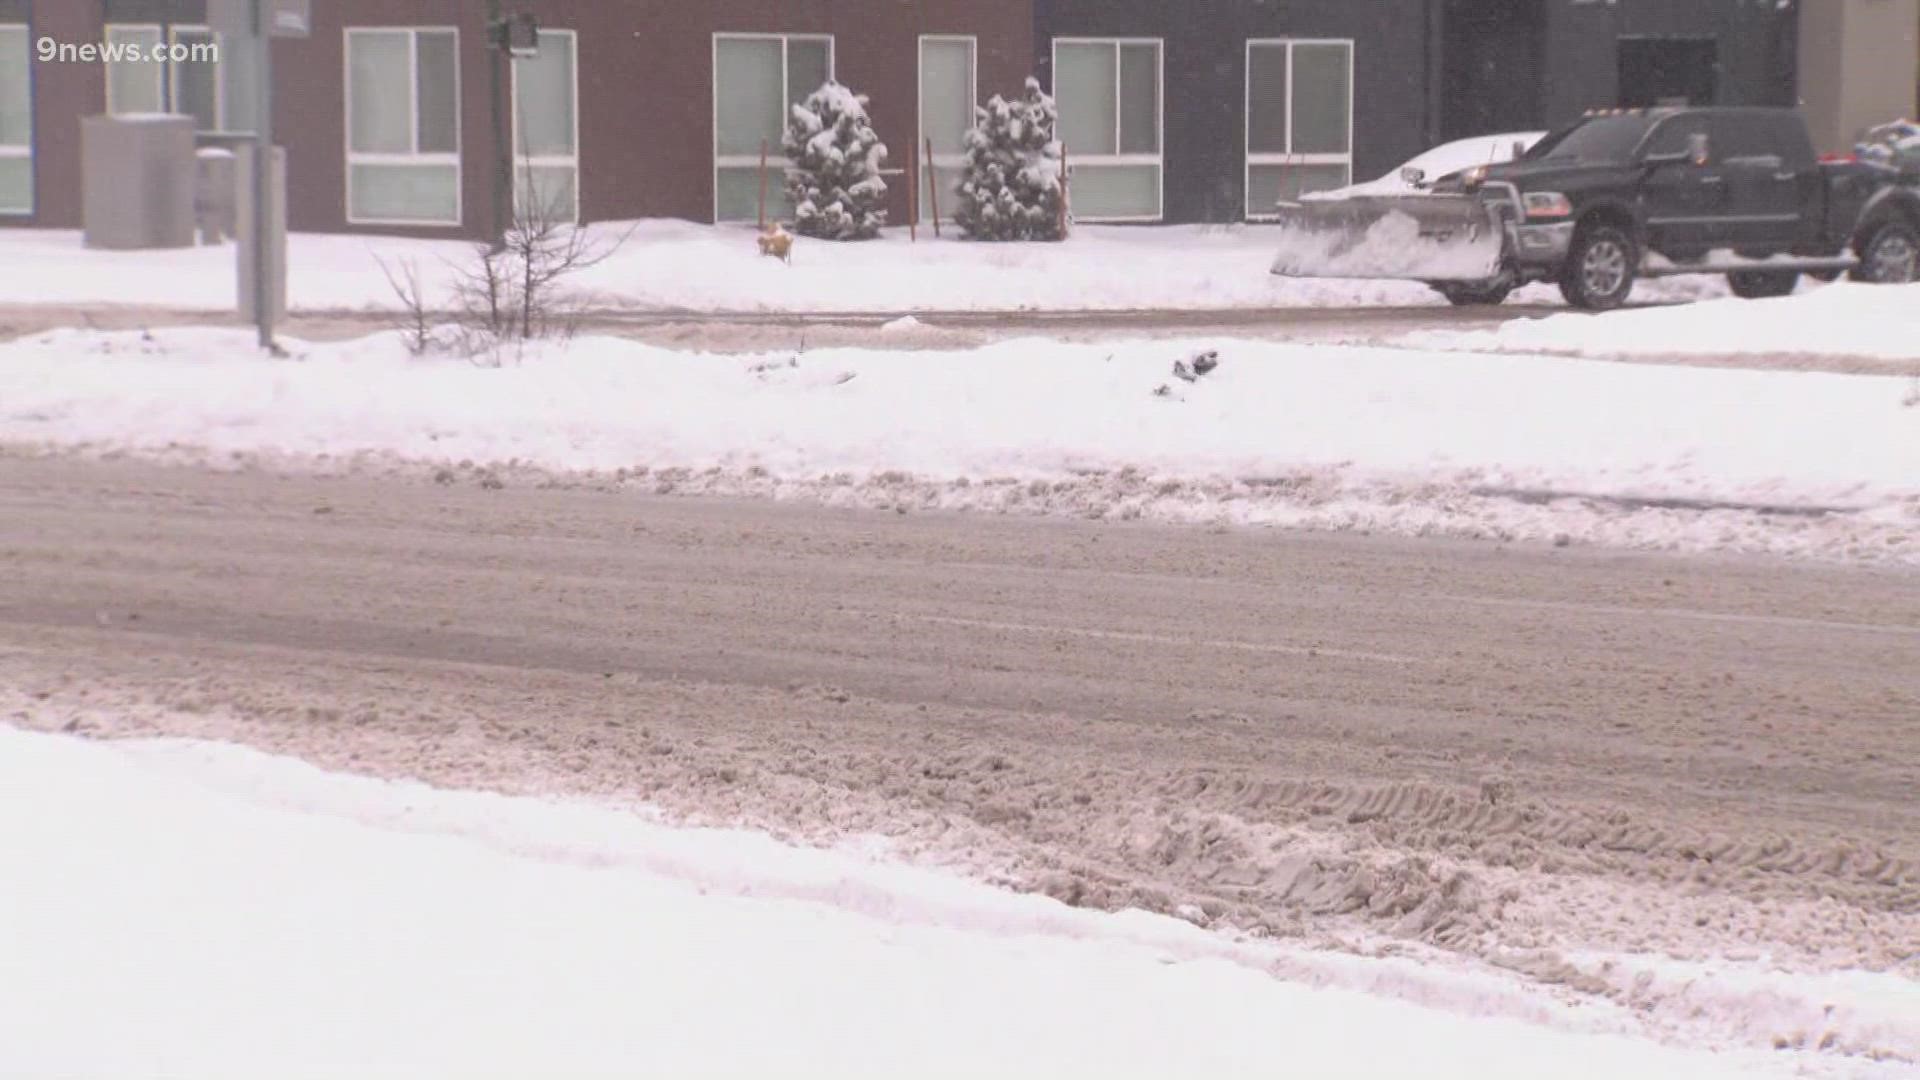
(515,290)
(414,321)
(505,295)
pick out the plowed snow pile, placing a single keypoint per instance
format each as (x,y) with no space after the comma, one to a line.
(181,908)
(1324,437)
(1878,321)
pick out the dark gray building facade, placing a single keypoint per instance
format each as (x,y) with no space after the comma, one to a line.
(1209,110)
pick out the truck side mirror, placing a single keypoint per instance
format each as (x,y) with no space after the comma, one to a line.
(1699,148)
(1413,175)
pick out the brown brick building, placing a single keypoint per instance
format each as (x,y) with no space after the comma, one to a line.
(633,108)
(1177,111)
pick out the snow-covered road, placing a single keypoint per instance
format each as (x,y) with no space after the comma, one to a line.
(1573,765)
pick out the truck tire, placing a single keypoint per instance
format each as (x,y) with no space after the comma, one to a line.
(1474,293)
(1762,284)
(1890,255)
(1600,269)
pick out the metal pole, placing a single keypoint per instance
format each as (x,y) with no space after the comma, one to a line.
(933,186)
(263,277)
(502,140)
(1436,72)
(763,185)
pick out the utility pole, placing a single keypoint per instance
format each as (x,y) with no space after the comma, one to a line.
(497,38)
(508,37)
(264,294)
(249,27)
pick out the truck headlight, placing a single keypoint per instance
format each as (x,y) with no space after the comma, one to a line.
(1547,204)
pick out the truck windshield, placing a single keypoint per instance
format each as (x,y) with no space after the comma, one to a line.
(1605,138)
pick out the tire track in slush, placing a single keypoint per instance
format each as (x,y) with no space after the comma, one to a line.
(1135,637)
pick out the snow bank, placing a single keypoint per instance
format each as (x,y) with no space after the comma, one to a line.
(1332,437)
(194,909)
(671,265)
(1870,1014)
(1876,321)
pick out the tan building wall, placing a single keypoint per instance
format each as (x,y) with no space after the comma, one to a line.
(1859,66)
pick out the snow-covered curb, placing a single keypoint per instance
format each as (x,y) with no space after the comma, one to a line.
(1325,437)
(674,265)
(1843,320)
(192,908)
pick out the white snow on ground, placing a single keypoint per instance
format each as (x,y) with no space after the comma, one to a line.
(191,909)
(1866,1013)
(681,266)
(1877,321)
(1331,437)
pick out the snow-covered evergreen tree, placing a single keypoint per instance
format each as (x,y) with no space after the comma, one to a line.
(833,166)
(1011,188)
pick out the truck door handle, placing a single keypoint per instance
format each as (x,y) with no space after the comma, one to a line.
(1786,176)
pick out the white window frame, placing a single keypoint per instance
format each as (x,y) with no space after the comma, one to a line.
(943,160)
(549,161)
(23,152)
(1287,157)
(741,161)
(1096,161)
(161,78)
(219,72)
(354,157)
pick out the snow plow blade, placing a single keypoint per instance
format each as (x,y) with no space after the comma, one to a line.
(1417,237)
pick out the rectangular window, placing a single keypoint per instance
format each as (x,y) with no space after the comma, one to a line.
(235,74)
(195,79)
(16,120)
(948,94)
(757,79)
(197,76)
(403,126)
(136,78)
(1109,93)
(546,129)
(1299,120)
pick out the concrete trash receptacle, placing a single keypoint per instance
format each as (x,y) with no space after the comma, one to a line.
(215,195)
(137,181)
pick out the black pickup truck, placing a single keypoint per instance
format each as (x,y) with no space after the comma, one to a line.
(1625,194)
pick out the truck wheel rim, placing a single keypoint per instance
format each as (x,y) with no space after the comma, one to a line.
(1893,259)
(1605,268)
